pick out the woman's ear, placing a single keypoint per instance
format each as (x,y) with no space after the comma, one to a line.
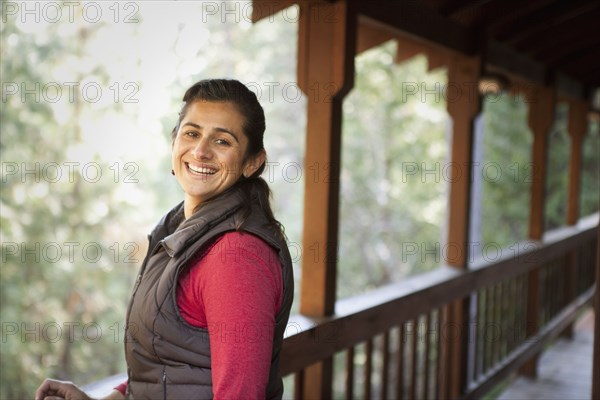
(254,163)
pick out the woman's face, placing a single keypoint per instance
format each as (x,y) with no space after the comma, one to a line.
(209,151)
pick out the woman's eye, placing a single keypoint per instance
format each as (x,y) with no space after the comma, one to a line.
(191,133)
(222,142)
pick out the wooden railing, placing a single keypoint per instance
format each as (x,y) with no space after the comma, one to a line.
(393,342)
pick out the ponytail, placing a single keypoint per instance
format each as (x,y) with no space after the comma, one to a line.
(256,191)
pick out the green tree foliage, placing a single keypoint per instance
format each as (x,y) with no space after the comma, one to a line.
(393,186)
(557,172)
(505,171)
(65,268)
(590,171)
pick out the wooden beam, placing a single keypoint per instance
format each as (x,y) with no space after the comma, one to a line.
(416,19)
(502,12)
(463,106)
(266,8)
(370,36)
(552,14)
(408,48)
(580,59)
(592,78)
(508,59)
(551,45)
(459,6)
(436,59)
(326,51)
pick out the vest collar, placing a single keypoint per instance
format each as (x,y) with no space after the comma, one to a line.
(201,221)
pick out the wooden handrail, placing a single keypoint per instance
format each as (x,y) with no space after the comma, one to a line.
(359,318)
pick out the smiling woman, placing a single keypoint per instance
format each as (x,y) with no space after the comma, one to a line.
(187,336)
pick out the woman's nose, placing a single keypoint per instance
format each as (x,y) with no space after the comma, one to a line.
(202,150)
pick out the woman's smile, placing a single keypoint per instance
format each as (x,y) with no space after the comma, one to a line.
(201,170)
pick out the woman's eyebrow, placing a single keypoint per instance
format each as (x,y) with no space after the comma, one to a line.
(216,129)
(219,129)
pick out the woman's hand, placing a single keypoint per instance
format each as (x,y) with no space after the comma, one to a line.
(53,389)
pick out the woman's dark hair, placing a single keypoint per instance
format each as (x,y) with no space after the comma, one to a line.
(236,93)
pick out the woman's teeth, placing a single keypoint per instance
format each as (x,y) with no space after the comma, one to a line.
(202,170)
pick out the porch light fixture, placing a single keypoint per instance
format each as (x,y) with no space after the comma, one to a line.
(493,83)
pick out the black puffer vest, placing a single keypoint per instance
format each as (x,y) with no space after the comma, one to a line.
(166,357)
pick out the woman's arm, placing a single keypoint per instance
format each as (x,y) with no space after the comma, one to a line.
(54,389)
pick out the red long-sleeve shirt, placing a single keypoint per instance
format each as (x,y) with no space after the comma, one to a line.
(234,290)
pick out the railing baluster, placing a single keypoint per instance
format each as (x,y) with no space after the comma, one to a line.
(544,290)
(368,368)
(497,304)
(505,315)
(299,385)
(385,370)
(488,316)
(350,373)
(523,310)
(553,294)
(438,355)
(413,362)
(512,322)
(426,340)
(442,389)
(496,333)
(400,361)
(477,302)
(564,282)
(479,344)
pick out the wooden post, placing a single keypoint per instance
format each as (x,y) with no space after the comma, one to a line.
(463,104)
(326,49)
(541,101)
(577,129)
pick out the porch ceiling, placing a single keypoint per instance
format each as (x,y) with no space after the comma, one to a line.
(550,42)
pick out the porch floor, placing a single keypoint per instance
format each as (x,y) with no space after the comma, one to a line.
(564,369)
